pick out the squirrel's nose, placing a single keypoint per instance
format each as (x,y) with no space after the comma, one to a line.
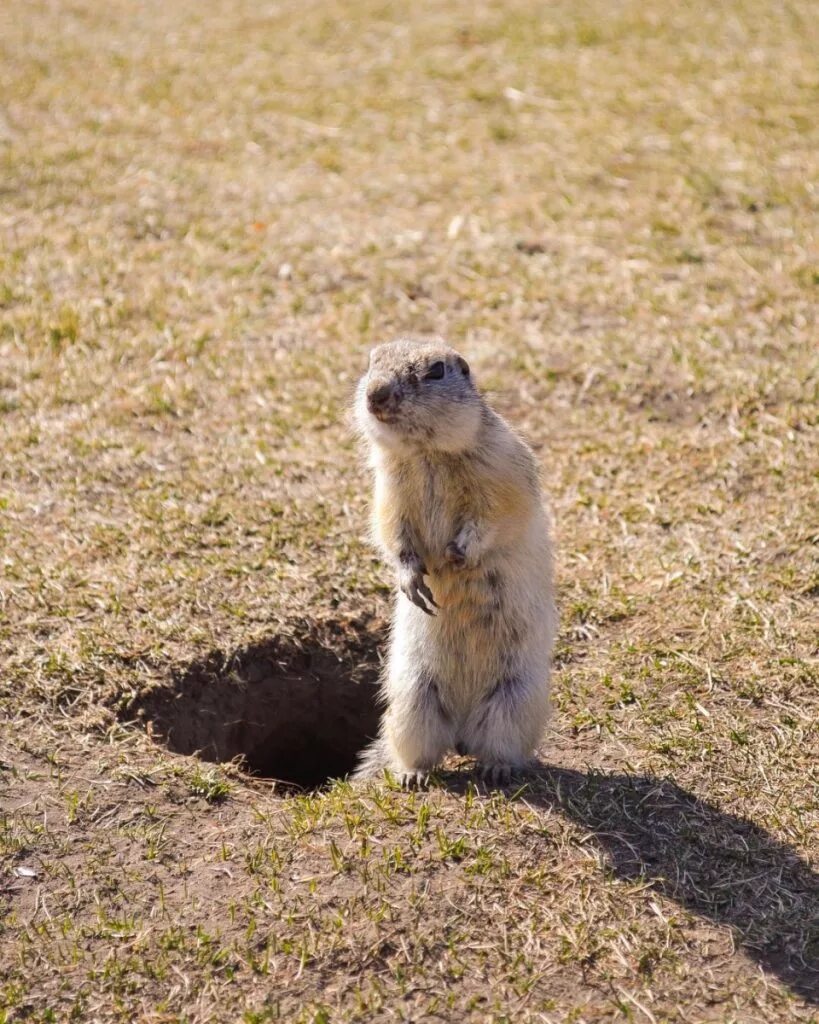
(378,395)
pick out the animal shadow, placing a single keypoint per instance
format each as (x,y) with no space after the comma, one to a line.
(718,865)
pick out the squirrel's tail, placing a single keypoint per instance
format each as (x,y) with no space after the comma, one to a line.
(372,760)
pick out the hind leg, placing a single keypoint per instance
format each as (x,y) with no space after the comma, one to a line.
(418,729)
(505,728)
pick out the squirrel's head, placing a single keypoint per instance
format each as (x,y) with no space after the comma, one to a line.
(418,394)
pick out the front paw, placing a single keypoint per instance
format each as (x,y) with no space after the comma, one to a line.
(412,586)
(455,555)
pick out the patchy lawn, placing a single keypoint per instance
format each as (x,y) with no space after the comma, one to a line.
(208,213)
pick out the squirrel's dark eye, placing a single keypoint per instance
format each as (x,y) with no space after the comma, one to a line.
(435,372)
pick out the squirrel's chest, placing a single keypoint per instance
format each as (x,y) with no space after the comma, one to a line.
(439,497)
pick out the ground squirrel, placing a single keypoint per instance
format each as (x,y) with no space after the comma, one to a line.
(458,513)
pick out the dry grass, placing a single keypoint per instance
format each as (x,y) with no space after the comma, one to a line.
(208,212)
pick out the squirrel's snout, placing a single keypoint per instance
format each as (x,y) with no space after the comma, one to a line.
(379,396)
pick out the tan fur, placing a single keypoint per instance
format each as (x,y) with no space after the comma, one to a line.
(458,512)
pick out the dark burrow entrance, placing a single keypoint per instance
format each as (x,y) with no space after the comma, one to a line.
(299,708)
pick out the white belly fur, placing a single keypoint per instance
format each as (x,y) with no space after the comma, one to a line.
(482,633)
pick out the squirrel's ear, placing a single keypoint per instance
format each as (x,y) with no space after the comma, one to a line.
(463,365)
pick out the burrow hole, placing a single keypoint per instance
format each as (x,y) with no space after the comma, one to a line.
(299,709)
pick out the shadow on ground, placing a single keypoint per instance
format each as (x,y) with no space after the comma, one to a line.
(300,709)
(296,708)
(718,865)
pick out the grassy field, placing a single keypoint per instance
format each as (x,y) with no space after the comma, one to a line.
(208,213)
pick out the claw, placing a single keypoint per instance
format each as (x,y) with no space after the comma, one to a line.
(426,593)
(414,778)
(414,589)
(413,592)
(496,775)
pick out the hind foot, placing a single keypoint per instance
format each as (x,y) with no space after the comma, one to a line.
(497,775)
(413,778)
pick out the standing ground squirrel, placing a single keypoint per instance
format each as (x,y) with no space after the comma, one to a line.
(459,515)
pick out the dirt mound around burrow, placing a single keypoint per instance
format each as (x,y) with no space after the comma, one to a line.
(296,708)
